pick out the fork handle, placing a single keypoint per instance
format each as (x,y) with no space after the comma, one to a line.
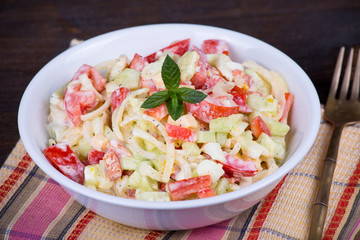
(321,203)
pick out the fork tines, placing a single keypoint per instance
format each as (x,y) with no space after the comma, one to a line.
(343,95)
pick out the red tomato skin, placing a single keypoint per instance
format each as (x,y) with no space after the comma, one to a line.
(289,99)
(73,109)
(149,84)
(182,189)
(215,46)
(181,133)
(158,113)
(119,149)
(258,126)
(206,111)
(97,79)
(206,76)
(87,100)
(178,48)
(236,167)
(112,165)
(62,157)
(95,156)
(239,97)
(205,193)
(138,62)
(78,102)
(200,77)
(117,97)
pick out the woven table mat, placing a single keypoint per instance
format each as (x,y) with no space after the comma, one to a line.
(33,206)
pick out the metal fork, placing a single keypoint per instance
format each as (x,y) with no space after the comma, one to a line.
(341,111)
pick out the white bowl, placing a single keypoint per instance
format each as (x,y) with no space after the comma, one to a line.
(32,120)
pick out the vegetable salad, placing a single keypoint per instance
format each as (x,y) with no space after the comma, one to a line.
(183,123)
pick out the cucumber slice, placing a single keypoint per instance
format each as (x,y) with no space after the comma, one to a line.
(151,70)
(211,58)
(238,128)
(56,130)
(187,64)
(206,136)
(110,87)
(225,124)
(262,104)
(191,149)
(275,149)
(83,148)
(132,163)
(221,138)
(222,186)
(129,78)
(144,183)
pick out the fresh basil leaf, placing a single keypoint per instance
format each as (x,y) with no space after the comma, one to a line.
(190,95)
(170,73)
(175,113)
(156,99)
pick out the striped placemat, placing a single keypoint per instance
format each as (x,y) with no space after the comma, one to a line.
(33,206)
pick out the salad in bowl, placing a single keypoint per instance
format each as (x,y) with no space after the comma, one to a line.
(185,122)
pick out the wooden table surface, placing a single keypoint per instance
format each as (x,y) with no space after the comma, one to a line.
(34,32)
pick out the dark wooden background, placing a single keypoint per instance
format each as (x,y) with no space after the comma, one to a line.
(33,32)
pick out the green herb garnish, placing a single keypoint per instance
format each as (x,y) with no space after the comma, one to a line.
(174,97)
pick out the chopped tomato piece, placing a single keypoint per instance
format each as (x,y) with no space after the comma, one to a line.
(119,149)
(138,62)
(182,189)
(205,193)
(239,97)
(149,84)
(117,97)
(112,165)
(95,156)
(158,113)
(178,48)
(200,76)
(199,79)
(289,99)
(237,167)
(181,133)
(96,78)
(211,46)
(211,108)
(258,126)
(87,100)
(78,103)
(62,157)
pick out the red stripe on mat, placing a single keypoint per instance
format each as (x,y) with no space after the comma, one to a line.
(264,211)
(342,204)
(79,228)
(152,235)
(14,176)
